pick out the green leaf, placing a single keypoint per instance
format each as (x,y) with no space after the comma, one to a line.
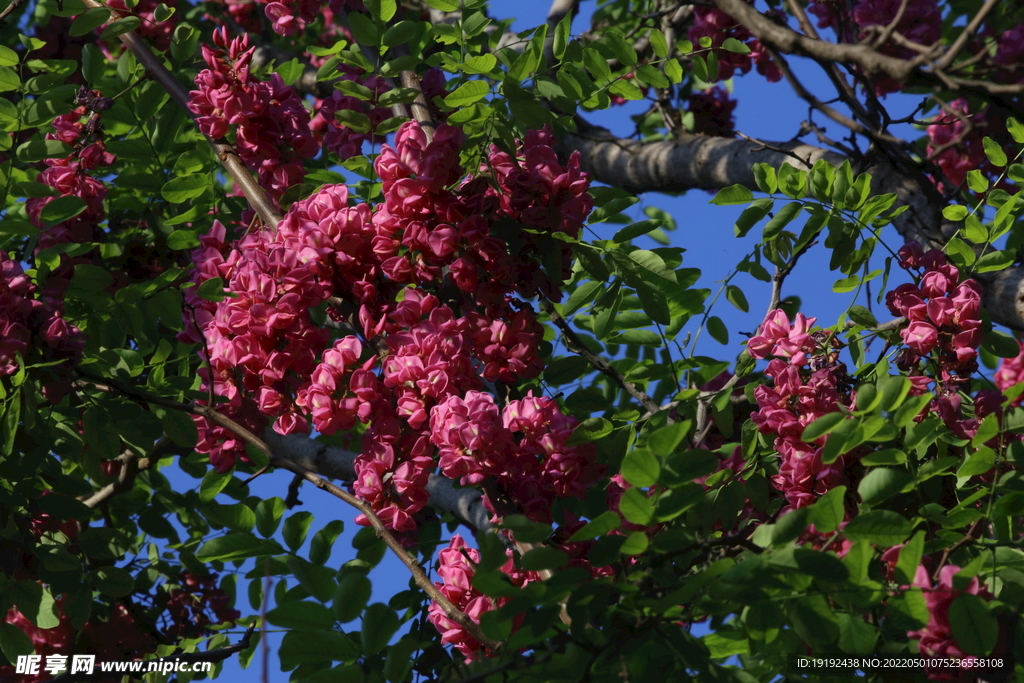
(382,10)
(1001,344)
(61,209)
(1016,130)
(583,294)
(237,546)
(735,194)
(543,558)
(268,515)
(717,329)
(733,45)
(295,529)
(301,615)
(883,528)
(995,153)
(752,215)
(881,484)
(635,543)
(886,456)
(379,624)
(120,27)
(312,647)
(975,628)
(89,22)
(977,181)
(736,297)
(909,559)
(658,43)
(351,597)
(955,212)
(636,507)
(621,47)
(237,517)
(822,426)
(641,468)
(180,190)
(996,260)
(665,440)
(356,121)
(635,230)
(599,526)
(14,642)
(591,429)
(467,93)
(363,29)
(782,218)
(323,541)
(828,511)
(114,582)
(213,483)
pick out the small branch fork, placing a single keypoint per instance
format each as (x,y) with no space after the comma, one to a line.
(218,418)
(577,346)
(261,203)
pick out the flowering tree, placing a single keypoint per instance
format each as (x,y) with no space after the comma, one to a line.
(358,241)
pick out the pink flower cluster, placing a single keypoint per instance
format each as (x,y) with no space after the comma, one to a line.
(377,269)
(718,26)
(942,312)
(272,134)
(937,637)
(82,129)
(456,569)
(957,150)
(811,384)
(261,342)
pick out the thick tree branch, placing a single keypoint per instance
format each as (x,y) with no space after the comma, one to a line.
(337,463)
(712,163)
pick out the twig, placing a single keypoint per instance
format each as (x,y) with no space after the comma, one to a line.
(883,36)
(965,35)
(131,465)
(260,202)
(577,346)
(953,548)
(781,273)
(765,145)
(10,8)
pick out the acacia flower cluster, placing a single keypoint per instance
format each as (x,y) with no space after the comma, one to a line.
(456,567)
(944,328)
(272,134)
(808,384)
(377,268)
(936,638)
